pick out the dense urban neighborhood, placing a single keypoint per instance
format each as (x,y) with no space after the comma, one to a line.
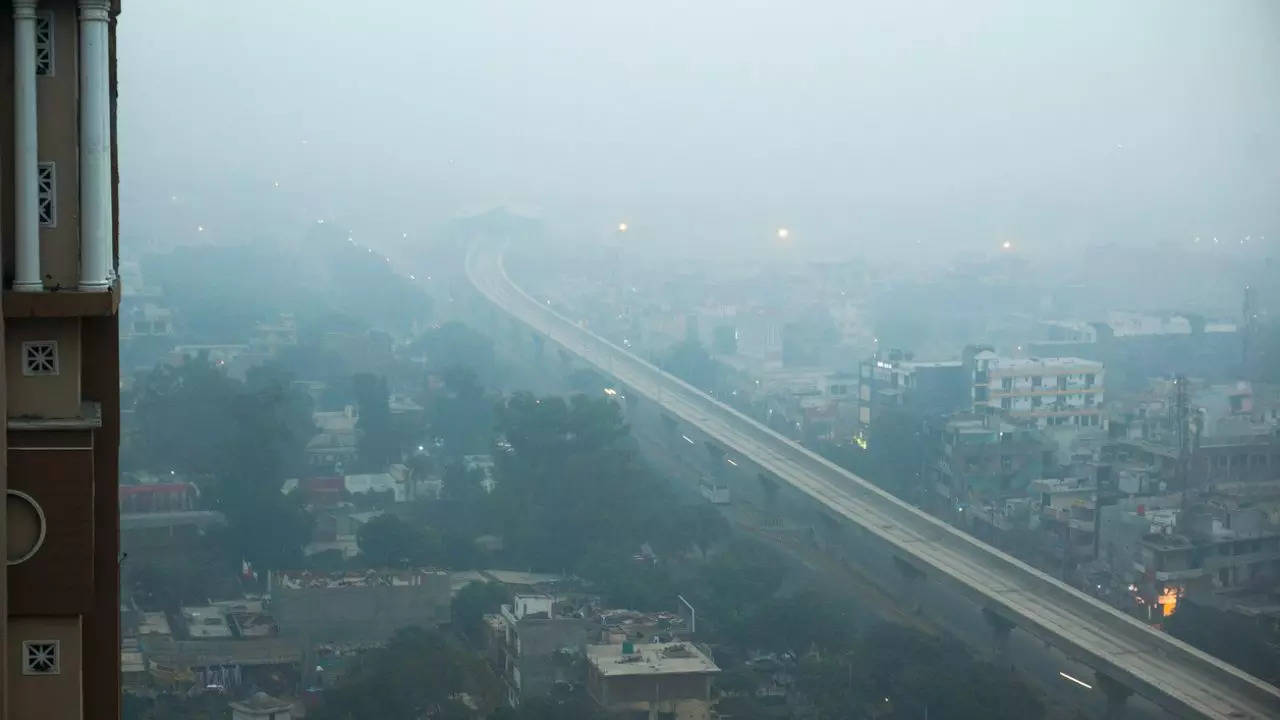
(326,500)
(573,360)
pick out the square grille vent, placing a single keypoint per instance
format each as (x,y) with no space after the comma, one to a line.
(40,357)
(41,657)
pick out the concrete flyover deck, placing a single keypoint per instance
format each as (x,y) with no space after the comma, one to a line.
(1174,675)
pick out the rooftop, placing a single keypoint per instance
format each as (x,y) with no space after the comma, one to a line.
(305,579)
(650,659)
(177,518)
(262,702)
(206,622)
(913,364)
(153,623)
(516,577)
(1029,363)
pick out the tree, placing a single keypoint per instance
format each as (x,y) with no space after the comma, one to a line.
(376,443)
(460,413)
(388,541)
(455,344)
(1252,646)
(241,439)
(571,481)
(472,603)
(799,623)
(743,575)
(690,361)
(462,485)
(418,674)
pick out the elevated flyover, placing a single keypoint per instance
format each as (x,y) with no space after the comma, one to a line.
(1172,674)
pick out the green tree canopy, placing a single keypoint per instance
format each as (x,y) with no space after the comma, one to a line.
(419,674)
(472,603)
(376,443)
(388,541)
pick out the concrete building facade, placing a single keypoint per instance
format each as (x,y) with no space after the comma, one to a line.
(58,242)
(651,680)
(539,648)
(364,606)
(1050,391)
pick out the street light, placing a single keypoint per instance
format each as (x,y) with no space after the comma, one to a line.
(783,233)
(622,227)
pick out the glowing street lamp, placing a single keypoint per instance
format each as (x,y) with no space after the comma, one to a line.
(1007,245)
(622,227)
(783,233)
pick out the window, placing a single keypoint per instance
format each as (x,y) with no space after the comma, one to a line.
(44,44)
(46,189)
(1036,381)
(1088,380)
(40,358)
(1006,384)
(1062,382)
(41,657)
(1006,403)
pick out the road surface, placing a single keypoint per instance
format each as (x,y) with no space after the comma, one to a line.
(1170,673)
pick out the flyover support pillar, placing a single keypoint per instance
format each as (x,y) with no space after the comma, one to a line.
(1117,695)
(1000,629)
(913,582)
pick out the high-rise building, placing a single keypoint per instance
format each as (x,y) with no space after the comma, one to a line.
(61,385)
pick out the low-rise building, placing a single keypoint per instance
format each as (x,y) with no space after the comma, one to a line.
(986,459)
(484,465)
(331,451)
(269,337)
(1208,550)
(261,706)
(1067,516)
(367,605)
(540,647)
(651,680)
(205,622)
(147,321)
(895,381)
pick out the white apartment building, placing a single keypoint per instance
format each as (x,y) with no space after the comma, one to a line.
(1051,391)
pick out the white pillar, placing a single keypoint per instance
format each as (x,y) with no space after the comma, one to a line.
(26,192)
(95,148)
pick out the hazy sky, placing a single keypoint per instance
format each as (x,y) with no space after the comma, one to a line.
(707,120)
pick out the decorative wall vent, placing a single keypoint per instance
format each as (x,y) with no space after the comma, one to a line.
(40,357)
(41,657)
(47,194)
(44,44)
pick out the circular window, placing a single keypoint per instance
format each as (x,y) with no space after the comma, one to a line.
(26,527)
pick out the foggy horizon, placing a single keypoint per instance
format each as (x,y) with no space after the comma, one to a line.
(855,125)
